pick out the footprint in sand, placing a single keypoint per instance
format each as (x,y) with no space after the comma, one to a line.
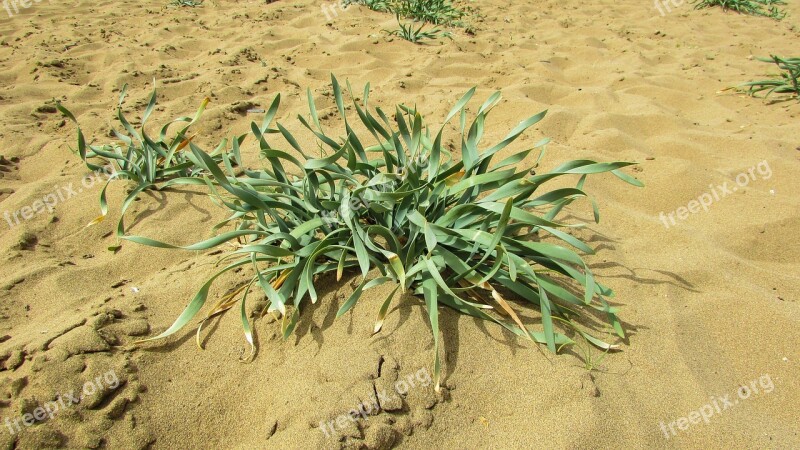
(9,170)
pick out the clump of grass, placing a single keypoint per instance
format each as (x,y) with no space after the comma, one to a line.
(765,8)
(188,3)
(393,205)
(375,5)
(787,81)
(591,361)
(435,12)
(409,32)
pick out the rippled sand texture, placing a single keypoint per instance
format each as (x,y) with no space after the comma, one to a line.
(710,303)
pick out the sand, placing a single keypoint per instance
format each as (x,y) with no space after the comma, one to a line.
(710,303)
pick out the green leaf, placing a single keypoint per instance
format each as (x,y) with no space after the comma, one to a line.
(384,309)
(547,320)
(365,285)
(431,294)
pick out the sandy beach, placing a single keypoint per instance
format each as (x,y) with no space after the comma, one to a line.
(704,260)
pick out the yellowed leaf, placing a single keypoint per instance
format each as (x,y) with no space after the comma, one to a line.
(281,278)
(454,178)
(96,221)
(507,308)
(185,142)
(224,304)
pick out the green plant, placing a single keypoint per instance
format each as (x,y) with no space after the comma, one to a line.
(785,82)
(591,362)
(467,233)
(375,5)
(190,3)
(766,8)
(416,35)
(145,162)
(436,12)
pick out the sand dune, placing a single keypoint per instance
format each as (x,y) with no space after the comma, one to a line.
(710,303)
